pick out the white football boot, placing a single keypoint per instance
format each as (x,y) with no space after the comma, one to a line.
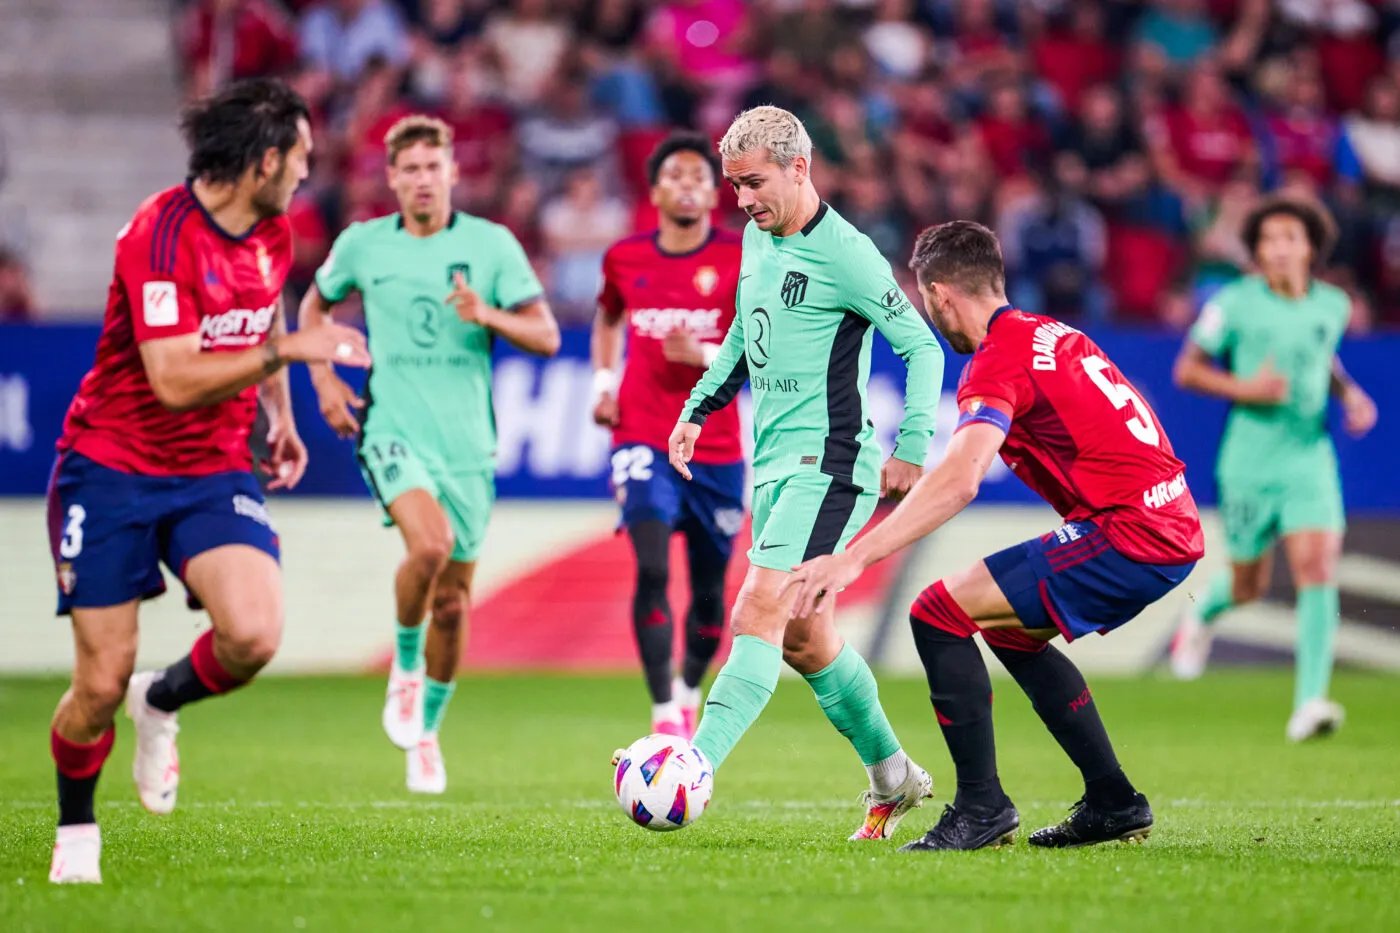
(156,764)
(1315,719)
(1191,646)
(77,855)
(403,707)
(426,774)
(883,813)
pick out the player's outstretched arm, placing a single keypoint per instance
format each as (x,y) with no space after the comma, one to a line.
(1358,409)
(1196,371)
(337,401)
(937,497)
(184,377)
(287,456)
(605,352)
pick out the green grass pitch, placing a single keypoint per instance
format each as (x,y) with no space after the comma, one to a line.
(293,816)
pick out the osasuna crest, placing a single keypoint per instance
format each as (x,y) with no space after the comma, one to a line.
(706,278)
(67,579)
(462,267)
(264,264)
(794,289)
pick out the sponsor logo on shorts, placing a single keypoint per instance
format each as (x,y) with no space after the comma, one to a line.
(238,327)
(1165,492)
(729,521)
(249,507)
(1067,533)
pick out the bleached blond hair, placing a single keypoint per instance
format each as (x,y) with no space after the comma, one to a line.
(767,127)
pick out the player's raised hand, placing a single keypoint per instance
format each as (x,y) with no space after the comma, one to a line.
(897,477)
(682,446)
(338,402)
(467,303)
(1267,386)
(682,346)
(811,582)
(287,455)
(326,343)
(1359,412)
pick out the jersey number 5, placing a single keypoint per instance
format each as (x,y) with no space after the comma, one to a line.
(1122,395)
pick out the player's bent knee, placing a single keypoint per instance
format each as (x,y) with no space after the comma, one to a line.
(252,648)
(429,557)
(449,610)
(99,693)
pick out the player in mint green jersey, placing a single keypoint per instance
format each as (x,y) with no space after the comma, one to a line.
(439,286)
(1275,337)
(812,292)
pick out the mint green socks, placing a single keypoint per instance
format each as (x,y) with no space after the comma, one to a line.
(848,694)
(1319,614)
(435,697)
(408,646)
(1219,597)
(740,692)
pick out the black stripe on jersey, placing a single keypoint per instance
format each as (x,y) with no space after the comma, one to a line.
(360,437)
(172,245)
(832,517)
(843,408)
(725,393)
(811,225)
(163,223)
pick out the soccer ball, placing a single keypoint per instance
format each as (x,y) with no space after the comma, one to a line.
(663,782)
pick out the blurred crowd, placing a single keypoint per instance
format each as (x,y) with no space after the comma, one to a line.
(1115,145)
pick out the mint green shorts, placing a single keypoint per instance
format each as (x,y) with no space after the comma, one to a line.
(391,469)
(1255,516)
(806,515)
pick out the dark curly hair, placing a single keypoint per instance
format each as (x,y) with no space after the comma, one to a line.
(230,130)
(682,141)
(1315,218)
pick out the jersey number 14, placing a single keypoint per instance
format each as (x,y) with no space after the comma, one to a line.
(1121,395)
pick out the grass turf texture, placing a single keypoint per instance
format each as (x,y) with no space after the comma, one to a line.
(293,816)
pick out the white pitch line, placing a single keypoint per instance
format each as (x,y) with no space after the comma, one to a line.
(791,805)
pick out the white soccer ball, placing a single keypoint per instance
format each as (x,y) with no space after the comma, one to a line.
(663,782)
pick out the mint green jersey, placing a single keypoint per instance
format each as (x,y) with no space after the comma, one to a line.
(1247,323)
(807,304)
(431,381)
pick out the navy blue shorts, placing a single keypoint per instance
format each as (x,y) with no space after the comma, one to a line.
(1072,579)
(110,530)
(649,489)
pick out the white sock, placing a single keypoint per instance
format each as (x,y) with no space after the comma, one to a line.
(886,776)
(665,712)
(685,696)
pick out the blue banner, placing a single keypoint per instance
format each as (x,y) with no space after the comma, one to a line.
(548,446)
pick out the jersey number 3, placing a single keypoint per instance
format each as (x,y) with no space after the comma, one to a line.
(1122,395)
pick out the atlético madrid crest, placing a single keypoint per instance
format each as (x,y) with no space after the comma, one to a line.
(706,279)
(794,289)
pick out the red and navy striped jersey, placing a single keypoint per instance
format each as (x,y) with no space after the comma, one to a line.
(1080,436)
(177,273)
(660,292)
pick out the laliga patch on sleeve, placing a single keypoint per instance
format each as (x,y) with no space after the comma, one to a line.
(159,305)
(1211,321)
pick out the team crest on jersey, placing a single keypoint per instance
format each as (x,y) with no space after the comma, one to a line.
(974,404)
(706,279)
(463,267)
(794,289)
(264,264)
(67,579)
